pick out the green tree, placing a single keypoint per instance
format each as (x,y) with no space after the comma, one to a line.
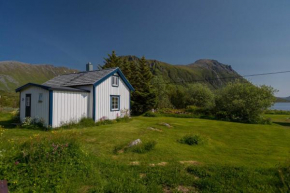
(126,69)
(162,92)
(178,97)
(243,102)
(144,97)
(112,61)
(200,95)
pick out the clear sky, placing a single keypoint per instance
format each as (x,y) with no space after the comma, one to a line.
(252,36)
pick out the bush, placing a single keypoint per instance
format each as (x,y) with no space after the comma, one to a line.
(33,123)
(150,114)
(201,96)
(191,140)
(243,102)
(142,147)
(123,119)
(87,122)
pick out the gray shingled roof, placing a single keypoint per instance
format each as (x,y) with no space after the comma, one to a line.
(81,78)
(46,87)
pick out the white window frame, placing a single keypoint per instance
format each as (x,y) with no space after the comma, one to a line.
(115,81)
(115,102)
(40,97)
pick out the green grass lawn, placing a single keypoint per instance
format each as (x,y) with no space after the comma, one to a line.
(232,154)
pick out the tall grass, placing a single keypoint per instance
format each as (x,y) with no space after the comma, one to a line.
(45,164)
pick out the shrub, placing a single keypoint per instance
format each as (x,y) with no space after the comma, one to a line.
(33,123)
(243,102)
(105,122)
(200,95)
(150,114)
(142,147)
(87,122)
(191,140)
(123,119)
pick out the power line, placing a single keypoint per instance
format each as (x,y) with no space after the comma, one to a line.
(231,77)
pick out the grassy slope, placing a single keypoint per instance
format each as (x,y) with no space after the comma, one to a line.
(14,74)
(236,157)
(228,143)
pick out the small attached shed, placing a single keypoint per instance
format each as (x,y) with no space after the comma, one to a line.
(100,94)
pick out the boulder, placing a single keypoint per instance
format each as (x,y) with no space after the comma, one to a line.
(135,142)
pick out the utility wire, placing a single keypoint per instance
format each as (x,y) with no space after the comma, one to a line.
(231,77)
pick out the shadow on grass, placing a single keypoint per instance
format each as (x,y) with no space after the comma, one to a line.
(285,124)
(8,124)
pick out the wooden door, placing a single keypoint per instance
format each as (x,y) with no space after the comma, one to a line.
(28,105)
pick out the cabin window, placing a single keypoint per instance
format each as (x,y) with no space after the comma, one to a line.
(115,103)
(115,81)
(40,97)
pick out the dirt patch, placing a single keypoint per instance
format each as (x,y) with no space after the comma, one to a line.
(85,189)
(190,162)
(115,157)
(142,175)
(183,189)
(186,189)
(135,163)
(166,189)
(90,140)
(121,151)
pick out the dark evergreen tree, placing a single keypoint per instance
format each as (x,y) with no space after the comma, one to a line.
(126,69)
(112,61)
(144,97)
(139,75)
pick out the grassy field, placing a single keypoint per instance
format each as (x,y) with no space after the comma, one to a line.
(233,157)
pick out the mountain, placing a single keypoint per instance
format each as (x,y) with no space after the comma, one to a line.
(14,74)
(210,72)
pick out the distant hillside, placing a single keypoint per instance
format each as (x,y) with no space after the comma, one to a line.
(14,74)
(283,99)
(210,72)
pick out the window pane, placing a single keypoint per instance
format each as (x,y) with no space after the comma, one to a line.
(115,103)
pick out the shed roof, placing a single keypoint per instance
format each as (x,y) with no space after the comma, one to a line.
(69,81)
(51,88)
(86,78)
(81,78)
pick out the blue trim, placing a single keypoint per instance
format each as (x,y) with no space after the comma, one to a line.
(32,84)
(94,102)
(50,107)
(120,74)
(118,96)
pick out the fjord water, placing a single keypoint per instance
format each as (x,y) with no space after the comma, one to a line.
(281,106)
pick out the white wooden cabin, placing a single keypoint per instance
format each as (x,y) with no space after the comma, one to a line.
(100,94)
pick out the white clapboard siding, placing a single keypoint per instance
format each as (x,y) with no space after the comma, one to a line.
(69,107)
(39,110)
(90,104)
(102,94)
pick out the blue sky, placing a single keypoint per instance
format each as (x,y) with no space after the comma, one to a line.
(252,36)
